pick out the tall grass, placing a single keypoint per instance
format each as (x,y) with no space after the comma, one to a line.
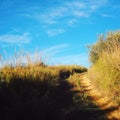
(105,72)
(31,90)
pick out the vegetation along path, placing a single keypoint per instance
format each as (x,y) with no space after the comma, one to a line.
(111,110)
(52,93)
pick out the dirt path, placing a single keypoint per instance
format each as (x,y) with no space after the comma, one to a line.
(112,111)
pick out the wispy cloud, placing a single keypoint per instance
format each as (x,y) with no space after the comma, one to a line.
(54,32)
(106,15)
(15,38)
(51,16)
(79,14)
(54,49)
(72,22)
(71,9)
(65,13)
(76,4)
(55,56)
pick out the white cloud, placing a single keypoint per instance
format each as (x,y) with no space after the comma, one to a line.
(50,17)
(54,49)
(65,13)
(68,9)
(15,38)
(106,15)
(93,7)
(76,4)
(79,14)
(54,32)
(72,22)
(76,9)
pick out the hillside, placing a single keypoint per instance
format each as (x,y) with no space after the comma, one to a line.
(36,91)
(43,92)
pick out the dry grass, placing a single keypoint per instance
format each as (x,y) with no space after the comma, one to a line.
(34,90)
(105,73)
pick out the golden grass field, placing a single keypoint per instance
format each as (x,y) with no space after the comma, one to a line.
(35,91)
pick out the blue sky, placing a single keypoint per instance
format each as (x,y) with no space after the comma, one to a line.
(59,29)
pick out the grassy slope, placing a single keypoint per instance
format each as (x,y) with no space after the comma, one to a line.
(44,92)
(105,71)
(36,91)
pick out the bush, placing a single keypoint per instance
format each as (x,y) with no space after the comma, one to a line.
(105,71)
(96,49)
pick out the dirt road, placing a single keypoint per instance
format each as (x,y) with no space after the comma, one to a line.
(112,111)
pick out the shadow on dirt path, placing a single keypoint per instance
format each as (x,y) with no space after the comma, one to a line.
(33,100)
(111,110)
(73,104)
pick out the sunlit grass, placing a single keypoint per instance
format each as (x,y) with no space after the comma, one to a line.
(30,89)
(105,73)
